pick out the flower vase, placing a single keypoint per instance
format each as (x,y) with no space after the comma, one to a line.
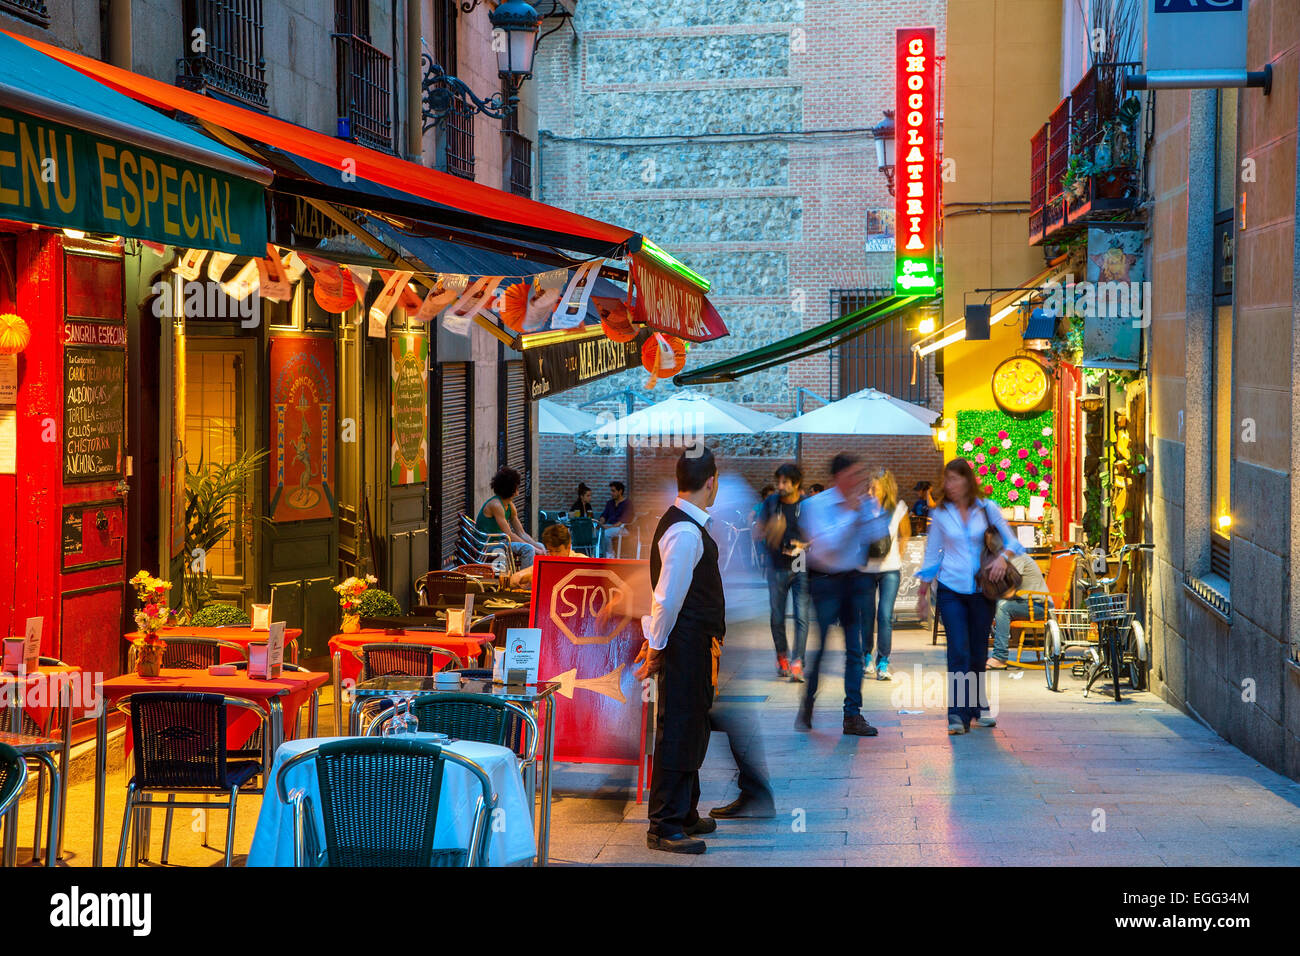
(148,661)
(351,623)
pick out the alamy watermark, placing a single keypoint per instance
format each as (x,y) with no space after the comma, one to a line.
(1106,299)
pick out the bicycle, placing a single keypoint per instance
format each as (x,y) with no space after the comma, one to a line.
(1106,627)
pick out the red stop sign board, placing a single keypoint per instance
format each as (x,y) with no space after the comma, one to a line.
(589,611)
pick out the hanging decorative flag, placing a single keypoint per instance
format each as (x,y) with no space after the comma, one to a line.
(294,267)
(438,299)
(361,280)
(191,264)
(572,310)
(245,282)
(157,248)
(475,299)
(527,306)
(331,289)
(217,264)
(663,356)
(273,282)
(615,319)
(394,283)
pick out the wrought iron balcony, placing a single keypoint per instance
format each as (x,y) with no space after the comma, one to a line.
(1084,160)
(365,96)
(33,11)
(226,55)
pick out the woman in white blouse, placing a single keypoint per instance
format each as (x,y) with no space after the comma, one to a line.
(881,576)
(953,548)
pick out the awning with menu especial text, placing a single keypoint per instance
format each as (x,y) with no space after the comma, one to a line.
(551,224)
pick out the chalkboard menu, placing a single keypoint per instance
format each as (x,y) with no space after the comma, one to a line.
(94,413)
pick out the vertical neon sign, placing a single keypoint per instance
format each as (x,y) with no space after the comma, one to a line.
(917,162)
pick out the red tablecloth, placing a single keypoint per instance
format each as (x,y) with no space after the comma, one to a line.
(42,692)
(297,686)
(236,635)
(464,646)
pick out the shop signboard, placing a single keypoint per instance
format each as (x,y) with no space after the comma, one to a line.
(302,428)
(589,612)
(1113,321)
(61,176)
(916,161)
(568,363)
(672,303)
(409,453)
(1196,35)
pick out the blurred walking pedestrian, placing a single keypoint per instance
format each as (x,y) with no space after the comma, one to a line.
(954,553)
(881,576)
(839,522)
(787,575)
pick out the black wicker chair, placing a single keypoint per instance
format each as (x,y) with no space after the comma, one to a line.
(13,778)
(379,805)
(403,660)
(197,653)
(179,746)
(479,717)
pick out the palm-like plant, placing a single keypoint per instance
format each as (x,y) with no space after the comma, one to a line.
(212,492)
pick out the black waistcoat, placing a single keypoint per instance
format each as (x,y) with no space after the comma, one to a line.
(686,679)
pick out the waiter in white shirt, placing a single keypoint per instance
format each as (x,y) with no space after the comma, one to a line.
(684,633)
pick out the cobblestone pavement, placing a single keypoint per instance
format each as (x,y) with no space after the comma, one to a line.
(1062,780)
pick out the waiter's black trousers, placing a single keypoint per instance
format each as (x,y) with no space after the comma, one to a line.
(674,795)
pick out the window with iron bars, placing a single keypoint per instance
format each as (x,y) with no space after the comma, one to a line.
(881,358)
(456,135)
(519,153)
(228,59)
(365,100)
(33,11)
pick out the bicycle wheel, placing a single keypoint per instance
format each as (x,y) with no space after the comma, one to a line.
(1137,657)
(1052,656)
(1116,653)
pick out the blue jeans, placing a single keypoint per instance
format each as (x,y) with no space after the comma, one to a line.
(878,591)
(835,598)
(1008,610)
(966,619)
(780,583)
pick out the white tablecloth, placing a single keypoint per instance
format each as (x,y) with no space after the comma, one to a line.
(510,837)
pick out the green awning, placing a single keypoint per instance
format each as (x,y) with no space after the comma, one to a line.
(801,344)
(75,154)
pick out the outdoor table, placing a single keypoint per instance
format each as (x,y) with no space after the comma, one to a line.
(533,696)
(39,748)
(282,698)
(242,636)
(506,845)
(60,692)
(347,669)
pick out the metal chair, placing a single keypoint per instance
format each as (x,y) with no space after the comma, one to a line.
(432,584)
(379,802)
(197,653)
(480,570)
(403,660)
(30,726)
(503,621)
(179,746)
(13,780)
(586,535)
(477,547)
(487,720)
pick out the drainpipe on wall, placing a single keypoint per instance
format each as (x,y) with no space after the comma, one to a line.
(414,117)
(119,33)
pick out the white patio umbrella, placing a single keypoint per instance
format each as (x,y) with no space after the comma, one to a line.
(687,415)
(556,419)
(867,412)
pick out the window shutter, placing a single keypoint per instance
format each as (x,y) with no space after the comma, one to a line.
(454,484)
(517,437)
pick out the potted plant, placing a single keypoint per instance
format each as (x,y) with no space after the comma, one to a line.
(350,594)
(153,616)
(212,494)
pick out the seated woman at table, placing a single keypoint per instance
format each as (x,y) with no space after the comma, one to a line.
(1010,607)
(557,541)
(582,508)
(498,516)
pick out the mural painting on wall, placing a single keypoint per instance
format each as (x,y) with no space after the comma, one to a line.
(409,454)
(302,428)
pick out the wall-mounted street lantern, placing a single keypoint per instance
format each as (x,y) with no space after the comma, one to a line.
(883,132)
(515,25)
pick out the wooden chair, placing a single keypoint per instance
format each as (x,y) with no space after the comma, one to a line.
(1060,576)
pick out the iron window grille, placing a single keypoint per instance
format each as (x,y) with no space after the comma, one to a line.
(365,98)
(33,11)
(881,357)
(226,56)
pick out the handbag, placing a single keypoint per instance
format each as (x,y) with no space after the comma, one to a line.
(881,547)
(993,590)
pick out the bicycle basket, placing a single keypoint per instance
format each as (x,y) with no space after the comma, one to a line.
(1107,607)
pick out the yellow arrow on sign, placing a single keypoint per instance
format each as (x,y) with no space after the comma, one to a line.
(607,684)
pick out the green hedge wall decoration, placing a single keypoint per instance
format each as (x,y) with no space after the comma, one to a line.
(219,615)
(1012,457)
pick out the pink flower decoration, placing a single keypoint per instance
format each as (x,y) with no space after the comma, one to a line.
(1005,463)
(1042,453)
(1002,435)
(1045,483)
(1033,486)
(1047,463)
(980,458)
(1023,453)
(984,469)
(1013,494)
(1002,476)
(977,441)
(1019,482)
(988,489)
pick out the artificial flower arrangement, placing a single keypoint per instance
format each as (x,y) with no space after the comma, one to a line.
(349,593)
(1011,457)
(153,615)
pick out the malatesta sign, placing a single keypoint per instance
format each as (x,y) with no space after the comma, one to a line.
(552,369)
(59,176)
